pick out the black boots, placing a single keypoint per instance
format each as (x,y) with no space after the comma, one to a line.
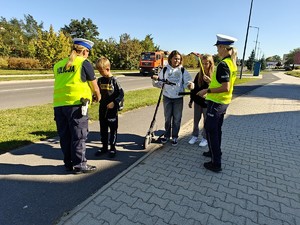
(213,166)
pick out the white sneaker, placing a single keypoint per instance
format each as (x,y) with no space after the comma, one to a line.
(193,140)
(203,142)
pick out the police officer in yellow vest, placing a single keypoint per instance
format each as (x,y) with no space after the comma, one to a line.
(218,96)
(75,84)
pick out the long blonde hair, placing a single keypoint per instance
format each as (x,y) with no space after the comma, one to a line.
(232,51)
(77,50)
(210,71)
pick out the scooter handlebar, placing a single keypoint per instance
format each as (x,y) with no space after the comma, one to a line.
(164,81)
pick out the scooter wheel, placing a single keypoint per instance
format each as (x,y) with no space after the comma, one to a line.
(147,141)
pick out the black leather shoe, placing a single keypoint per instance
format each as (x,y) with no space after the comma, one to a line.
(207,154)
(86,169)
(112,152)
(212,167)
(69,168)
(101,151)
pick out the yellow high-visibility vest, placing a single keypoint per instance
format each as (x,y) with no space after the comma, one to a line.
(68,86)
(224,97)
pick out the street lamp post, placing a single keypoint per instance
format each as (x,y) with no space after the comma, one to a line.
(256,39)
(246,40)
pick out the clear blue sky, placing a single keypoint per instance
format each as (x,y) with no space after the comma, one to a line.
(188,26)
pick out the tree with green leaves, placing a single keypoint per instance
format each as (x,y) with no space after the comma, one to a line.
(81,29)
(290,58)
(250,61)
(263,63)
(51,47)
(129,52)
(107,48)
(148,44)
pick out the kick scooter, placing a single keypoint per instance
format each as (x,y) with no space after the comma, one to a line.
(150,134)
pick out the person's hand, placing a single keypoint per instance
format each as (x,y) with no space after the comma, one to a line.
(206,78)
(202,93)
(190,85)
(110,105)
(190,105)
(154,77)
(95,99)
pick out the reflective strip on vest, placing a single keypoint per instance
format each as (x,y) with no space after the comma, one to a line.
(68,86)
(224,97)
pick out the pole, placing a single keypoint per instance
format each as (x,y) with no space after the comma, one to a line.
(256,40)
(246,40)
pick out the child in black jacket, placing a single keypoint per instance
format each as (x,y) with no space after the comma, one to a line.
(112,96)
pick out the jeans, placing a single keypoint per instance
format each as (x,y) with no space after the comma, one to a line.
(213,126)
(198,112)
(173,112)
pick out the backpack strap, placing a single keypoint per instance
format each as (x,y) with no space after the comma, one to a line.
(164,71)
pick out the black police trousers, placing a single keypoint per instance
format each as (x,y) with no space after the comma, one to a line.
(72,129)
(213,126)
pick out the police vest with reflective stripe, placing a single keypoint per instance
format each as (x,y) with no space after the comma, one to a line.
(224,97)
(68,86)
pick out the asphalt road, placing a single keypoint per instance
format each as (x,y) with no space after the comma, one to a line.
(19,94)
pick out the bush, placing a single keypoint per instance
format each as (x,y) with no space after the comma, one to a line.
(3,63)
(23,63)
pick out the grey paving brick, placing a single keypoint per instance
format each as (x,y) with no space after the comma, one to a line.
(194,204)
(161,202)
(125,188)
(167,179)
(178,219)
(176,208)
(112,193)
(237,201)
(141,185)
(142,195)
(252,215)
(173,197)
(185,192)
(217,194)
(125,220)
(146,207)
(157,191)
(270,204)
(197,188)
(143,218)
(262,219)
(109,217)
(199,217)
(161,213)
(232,218)
(110,203)
(125,198)
(156,183)
(287,217)
(127,211)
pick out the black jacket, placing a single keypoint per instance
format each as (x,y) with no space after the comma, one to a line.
(195,98)
(110,90)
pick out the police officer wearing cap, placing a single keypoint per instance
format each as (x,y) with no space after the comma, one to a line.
(75,84)
(218,96)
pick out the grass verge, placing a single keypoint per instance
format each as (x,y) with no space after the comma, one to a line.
(20,127)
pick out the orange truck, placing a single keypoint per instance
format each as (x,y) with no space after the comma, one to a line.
(152,62)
